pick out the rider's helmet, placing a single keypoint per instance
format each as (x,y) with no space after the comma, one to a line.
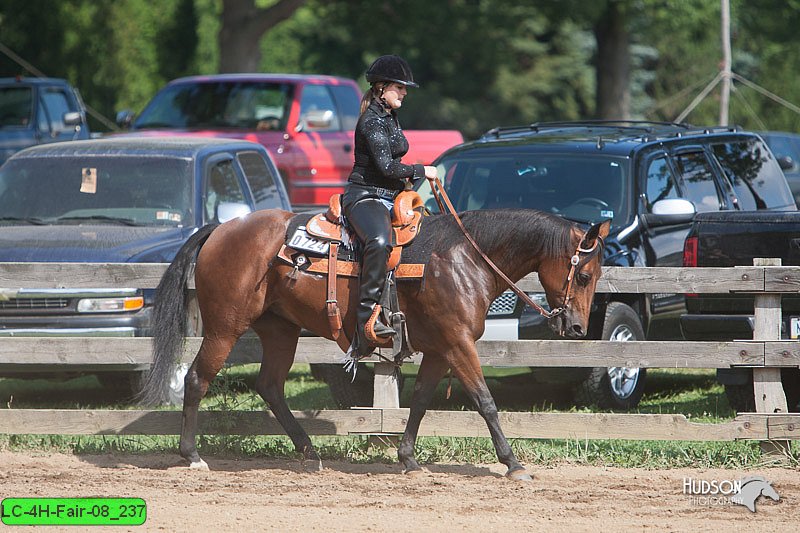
(391,68)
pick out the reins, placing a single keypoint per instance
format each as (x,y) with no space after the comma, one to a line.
(442,199)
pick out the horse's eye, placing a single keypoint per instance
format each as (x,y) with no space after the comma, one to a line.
(584,278)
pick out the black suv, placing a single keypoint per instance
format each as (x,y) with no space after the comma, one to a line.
(649,179)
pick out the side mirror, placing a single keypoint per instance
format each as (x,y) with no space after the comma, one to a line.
(786,162)
(317,119)
(229,210)
(72,118)
(125,118)
(670,211)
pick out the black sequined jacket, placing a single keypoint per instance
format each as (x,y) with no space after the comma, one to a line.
(379,145)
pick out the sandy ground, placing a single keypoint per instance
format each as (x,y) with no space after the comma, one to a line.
(277,495)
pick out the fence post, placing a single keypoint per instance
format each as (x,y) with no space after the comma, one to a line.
(385,393)
(767,385)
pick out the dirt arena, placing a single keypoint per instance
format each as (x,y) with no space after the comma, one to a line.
(271,495)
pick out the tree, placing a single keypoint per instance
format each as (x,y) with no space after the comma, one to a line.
(243,26)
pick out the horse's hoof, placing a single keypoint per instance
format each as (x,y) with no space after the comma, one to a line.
(414,472)
(199,465)
(519,475)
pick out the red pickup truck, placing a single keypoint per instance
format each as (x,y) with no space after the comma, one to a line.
(305,121)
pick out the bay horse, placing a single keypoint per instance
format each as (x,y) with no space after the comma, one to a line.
(239,285)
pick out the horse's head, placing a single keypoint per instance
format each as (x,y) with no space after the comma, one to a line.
(570,281)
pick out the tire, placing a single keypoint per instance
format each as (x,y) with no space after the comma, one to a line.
(615,387)
(346,392)
(742,397)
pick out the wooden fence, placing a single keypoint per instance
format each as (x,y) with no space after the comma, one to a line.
(766,354)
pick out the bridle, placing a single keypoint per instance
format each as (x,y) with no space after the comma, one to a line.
(442,199)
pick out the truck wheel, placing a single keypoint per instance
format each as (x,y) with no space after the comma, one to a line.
(615,387)
(346,392)
(742,397)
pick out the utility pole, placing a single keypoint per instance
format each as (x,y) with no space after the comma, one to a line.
(726,63)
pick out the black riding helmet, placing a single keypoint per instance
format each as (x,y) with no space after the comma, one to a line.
(391,68)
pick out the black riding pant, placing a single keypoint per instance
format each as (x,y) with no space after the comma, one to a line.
(371,221)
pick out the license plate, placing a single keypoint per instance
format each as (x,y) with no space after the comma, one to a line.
(794,327)
(301,240)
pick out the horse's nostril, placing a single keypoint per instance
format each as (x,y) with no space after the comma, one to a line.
(577,330)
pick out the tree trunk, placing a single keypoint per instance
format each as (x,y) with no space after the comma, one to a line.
(613,65)
(243,25)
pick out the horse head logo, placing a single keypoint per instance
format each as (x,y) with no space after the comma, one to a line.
(752,488)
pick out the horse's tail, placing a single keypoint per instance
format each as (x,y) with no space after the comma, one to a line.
(169,319)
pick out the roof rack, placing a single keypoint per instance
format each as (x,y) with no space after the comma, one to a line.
(648,130)
(637,125)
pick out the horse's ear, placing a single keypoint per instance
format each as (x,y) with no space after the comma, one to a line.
(597,230)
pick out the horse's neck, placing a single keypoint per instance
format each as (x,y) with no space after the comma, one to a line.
(515,265)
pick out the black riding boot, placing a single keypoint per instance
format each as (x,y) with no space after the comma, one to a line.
(369,218)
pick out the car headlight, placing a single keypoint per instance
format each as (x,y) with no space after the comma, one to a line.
(110,305)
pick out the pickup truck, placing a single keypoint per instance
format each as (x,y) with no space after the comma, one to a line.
(37,111)
(305,121)
(735,238)
(117,201)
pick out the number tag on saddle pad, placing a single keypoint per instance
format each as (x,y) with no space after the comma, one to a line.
(301,240)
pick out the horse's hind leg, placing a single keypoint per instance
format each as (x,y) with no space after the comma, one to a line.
(467,368)
(207,364)
(279,342)
(430,374)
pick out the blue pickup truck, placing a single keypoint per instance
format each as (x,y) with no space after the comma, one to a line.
(117,200)
(39,111)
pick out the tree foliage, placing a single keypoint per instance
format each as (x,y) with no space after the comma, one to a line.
(480,63)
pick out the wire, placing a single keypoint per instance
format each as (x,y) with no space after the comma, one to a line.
(747,106)
(772,96)
(699,98)
(39,74)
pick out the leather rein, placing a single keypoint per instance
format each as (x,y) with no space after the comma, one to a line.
(442,199)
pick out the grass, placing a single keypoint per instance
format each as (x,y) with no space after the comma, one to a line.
(694,393)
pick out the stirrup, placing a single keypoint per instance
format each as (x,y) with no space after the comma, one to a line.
(376,331)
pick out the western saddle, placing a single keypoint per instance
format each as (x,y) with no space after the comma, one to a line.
(406,219)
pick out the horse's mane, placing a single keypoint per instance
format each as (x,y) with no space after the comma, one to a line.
(518,233)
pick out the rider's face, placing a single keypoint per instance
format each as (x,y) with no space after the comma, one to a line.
(394,94)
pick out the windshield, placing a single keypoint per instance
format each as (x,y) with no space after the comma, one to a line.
(151,191)
(584,188)
(16,106)
(242,105)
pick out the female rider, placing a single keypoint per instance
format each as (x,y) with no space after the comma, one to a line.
(378,176)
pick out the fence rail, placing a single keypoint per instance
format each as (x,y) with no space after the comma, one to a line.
(767,354)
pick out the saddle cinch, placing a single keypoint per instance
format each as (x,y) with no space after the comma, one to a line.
(327,227)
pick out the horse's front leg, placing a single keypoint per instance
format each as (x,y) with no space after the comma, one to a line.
(467,368)
(430,374)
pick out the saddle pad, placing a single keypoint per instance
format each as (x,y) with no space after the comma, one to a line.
(319,265)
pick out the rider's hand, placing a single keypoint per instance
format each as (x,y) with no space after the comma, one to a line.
(430,172)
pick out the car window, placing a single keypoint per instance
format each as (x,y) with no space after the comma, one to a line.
(56,103)
(242,105)
(317,98)
(16,106)
(785,146)
(262,182)
(147,190)
(755,174)
(697,179)
(223,186)
(660,182)
(578,187)
(348,101)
